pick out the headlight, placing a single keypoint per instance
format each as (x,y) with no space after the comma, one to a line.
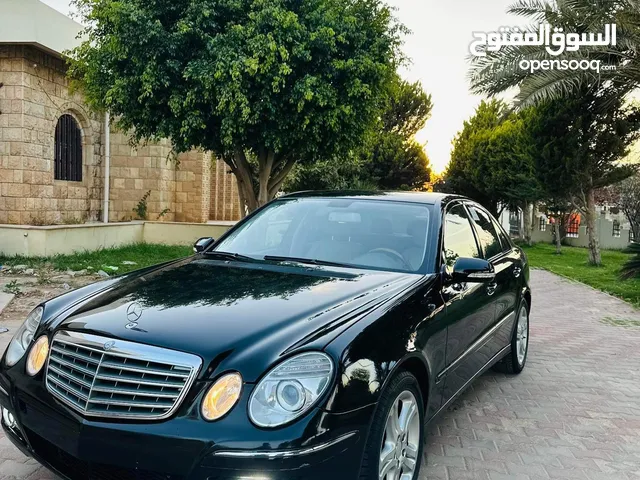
(38,355)
(23,337)
(222,396)
(290,389)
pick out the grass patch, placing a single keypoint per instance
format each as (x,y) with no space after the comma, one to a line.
(573,263)
(142,254)
(13,287)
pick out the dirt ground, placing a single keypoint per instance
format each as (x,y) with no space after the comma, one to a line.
(32,289)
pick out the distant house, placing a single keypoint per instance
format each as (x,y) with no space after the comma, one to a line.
(52,148)
(614,230)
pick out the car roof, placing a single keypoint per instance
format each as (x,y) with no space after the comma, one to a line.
(415,197)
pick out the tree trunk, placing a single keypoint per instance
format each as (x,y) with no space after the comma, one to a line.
(242,197)
(272,172)
(635,228)
(594,244)
(526,220)
(558,237)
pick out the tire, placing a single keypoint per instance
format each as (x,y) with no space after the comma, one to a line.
(402,390)
(512,363)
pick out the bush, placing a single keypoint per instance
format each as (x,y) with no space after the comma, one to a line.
(631,269)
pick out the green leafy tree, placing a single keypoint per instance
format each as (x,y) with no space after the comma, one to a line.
(336,174)
(620,64)
(492,160)
(580,147)
(389,158)
(460,174)
(264,84)
(394,159)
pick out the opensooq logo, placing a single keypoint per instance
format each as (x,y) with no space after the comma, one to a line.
(555,41)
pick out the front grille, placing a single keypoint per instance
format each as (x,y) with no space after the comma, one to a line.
(98,376)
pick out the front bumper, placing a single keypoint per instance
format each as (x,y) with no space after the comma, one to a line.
(319,446)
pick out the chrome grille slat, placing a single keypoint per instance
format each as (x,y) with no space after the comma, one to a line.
(70,376)
(77,354)
(70,388)
(156,383)
(132,403)
(62,393)
(72,365)
(98,376)
(136,393)
(116,366)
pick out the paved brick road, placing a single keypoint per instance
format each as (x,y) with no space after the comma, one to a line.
(573,413)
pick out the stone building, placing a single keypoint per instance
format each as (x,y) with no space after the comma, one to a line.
(52,148)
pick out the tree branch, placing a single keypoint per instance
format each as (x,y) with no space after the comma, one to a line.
(277,180)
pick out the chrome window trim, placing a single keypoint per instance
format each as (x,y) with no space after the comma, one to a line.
(125,349)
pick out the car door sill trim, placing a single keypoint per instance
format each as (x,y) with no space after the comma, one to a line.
(476,375)
(477,345)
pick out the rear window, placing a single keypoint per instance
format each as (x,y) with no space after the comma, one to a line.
(487,234)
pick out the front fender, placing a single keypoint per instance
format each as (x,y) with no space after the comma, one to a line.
(371,351)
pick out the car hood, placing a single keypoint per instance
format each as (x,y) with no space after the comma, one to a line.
(239,316)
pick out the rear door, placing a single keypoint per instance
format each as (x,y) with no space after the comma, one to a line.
(470,310)
(498,250)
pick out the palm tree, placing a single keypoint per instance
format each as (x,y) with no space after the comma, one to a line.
(632,267)
(499,71)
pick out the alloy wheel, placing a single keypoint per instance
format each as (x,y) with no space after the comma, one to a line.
(522,335)
(402,436)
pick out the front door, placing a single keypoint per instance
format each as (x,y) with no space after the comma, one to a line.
(470,307)
(507,265)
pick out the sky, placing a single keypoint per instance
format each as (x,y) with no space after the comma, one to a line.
(438,49)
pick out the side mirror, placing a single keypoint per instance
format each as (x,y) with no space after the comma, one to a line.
(473,270)
(202,244)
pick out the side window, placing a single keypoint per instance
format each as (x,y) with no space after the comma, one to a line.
(504,238)
(487,234)
(459,241)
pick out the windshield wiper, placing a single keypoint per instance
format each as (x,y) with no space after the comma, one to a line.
(231,256)
(311,261)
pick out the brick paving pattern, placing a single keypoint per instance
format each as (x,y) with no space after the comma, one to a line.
(574,413)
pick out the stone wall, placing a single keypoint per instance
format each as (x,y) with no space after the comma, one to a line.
(136,171)
(193,187)
(33,96)
(225,203)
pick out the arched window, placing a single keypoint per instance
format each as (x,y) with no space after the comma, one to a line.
(68,156)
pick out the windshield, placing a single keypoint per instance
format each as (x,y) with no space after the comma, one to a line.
(362,233)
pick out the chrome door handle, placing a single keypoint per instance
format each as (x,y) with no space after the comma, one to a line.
(491,288)
(517,271)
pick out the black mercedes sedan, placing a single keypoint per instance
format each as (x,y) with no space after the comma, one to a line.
(314,340)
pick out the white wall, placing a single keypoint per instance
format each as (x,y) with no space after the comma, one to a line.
(34,241)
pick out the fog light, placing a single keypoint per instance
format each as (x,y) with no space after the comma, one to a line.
(222,396)
(8,418)
(38,355)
